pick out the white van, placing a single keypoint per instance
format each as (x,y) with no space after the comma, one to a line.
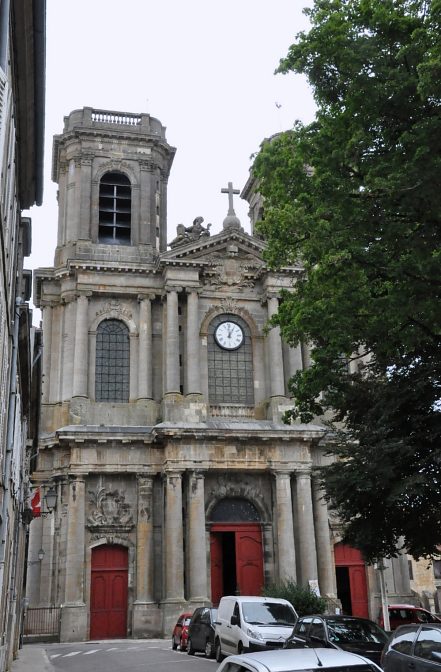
(252,624)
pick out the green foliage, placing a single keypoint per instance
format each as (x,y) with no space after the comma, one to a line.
(302,598)
(356,196)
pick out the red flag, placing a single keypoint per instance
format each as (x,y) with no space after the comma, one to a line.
(36,503)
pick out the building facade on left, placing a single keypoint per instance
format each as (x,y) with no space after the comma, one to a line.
(22,91)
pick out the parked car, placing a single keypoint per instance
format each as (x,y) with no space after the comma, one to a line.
(180,631)
(201,631)
(347,633)
(252,624)
(415,647)
(310,660)
(400,614)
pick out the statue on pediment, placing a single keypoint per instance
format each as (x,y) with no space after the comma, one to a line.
(188,234)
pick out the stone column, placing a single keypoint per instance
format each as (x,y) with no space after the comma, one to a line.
(295,359)
(47,338)
(81,348)
(325,562)
(193,350)
(145,349)
(172,377)
(308,553)
(174,556)
(33,578)
(144,541)
(285,528)
(197,552)
(275,353)
(73,617)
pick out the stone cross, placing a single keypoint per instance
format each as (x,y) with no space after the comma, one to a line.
(230,191)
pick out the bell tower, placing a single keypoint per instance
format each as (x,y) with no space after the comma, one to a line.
(112,170)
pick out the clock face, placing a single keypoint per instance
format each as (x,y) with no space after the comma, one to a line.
(229,335)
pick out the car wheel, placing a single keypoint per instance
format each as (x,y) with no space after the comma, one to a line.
(174,645)
(240,648)
(209,649)
(218,650)
(190,649)
(182,646)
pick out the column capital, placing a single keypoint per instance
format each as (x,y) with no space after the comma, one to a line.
(148,296)
(282,473)
(193,290)
(83,294)
(304,473)
(168,289)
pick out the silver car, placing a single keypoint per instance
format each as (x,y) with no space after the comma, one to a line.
(298,660)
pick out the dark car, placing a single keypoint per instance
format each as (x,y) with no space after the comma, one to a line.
(201,631)
(400,614)
(180,631)
(348,633)
(415,647)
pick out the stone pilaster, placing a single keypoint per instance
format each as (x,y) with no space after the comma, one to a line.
(193,350)
(196,538)
(74,615)
(144,541)
(325,562)
(81,348)
(145,348)
(277,383)
(47,338)
(285,529)
(307,549)
(172,374)
(174,556)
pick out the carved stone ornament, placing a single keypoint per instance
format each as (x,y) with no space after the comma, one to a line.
(232,270)
(114,307)
(109,509)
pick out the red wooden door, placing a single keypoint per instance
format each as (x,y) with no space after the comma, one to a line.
(249,560)
(346,556)
(358,586)
(108,597)
(217,584)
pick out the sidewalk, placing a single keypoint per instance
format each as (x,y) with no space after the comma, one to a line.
(32,658)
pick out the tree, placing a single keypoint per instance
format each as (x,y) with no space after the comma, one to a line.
(356,196)
(303,598)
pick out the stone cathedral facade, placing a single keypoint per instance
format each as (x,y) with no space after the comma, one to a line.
(162,403)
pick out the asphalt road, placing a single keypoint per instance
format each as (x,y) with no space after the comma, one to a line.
(153,655)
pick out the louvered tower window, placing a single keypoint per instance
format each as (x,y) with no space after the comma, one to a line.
(112,374)
(115,209)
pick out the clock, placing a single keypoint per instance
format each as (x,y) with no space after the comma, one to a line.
(229,335)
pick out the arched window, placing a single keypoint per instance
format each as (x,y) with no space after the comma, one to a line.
(112,373)
(234,509)
(115,209)
(230,361)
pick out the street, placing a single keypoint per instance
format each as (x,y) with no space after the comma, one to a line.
(119,655)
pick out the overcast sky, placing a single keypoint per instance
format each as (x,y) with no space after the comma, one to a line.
(204,68)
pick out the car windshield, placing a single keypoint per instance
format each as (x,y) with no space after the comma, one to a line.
(355,631)
(268,613)
(187,621)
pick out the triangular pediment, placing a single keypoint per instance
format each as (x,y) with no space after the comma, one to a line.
(230,243)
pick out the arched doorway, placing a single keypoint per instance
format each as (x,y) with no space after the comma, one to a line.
(235,549)
(350,571)
(108,592)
